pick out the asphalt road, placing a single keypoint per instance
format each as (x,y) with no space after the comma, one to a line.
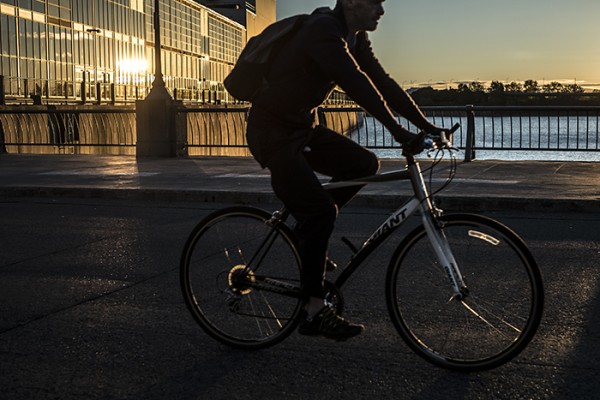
(90,308)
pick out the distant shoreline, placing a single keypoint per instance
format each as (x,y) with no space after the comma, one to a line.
(452,97)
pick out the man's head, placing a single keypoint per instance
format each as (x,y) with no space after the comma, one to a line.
(362,15)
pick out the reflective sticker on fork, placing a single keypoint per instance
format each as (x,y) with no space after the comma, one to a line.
(484,236)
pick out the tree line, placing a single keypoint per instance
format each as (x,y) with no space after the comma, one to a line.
(529,86)
(530,92)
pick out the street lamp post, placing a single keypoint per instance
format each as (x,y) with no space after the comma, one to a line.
(160,128)
(159,89)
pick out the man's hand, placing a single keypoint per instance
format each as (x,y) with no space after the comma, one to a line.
(411,143)
(430,139)
(442,137)
(415,145)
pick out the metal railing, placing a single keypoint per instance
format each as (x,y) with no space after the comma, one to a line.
(531,129)
(221,131)
(216,131)
(68,131)
(497,129)
(21,91)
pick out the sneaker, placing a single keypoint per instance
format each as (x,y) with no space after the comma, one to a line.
(327,323)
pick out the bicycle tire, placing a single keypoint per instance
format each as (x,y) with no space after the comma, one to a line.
(498,317)
(234,302)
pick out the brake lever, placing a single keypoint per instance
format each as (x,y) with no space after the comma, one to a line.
(441,139)
(429,142)
(433,141)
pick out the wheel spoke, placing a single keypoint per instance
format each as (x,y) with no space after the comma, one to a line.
(496,316)
(488,323)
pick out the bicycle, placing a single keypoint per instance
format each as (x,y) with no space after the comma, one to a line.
(463,290)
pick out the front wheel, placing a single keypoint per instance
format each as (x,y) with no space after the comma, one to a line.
(502,306)
(240,277)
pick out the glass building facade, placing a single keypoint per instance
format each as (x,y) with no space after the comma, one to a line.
(104,49)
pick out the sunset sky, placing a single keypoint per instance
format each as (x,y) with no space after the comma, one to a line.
(431,41)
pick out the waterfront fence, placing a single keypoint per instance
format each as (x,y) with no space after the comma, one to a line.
(574,130)
(216,131)
(494,129)
(221,131)
(48,130)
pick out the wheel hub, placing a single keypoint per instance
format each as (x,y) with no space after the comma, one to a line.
(240,280)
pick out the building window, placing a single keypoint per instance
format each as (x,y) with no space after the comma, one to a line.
(50,42)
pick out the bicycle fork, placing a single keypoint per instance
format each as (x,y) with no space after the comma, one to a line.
(438,239)
(434,229)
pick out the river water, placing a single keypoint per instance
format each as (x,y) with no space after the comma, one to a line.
(544,138)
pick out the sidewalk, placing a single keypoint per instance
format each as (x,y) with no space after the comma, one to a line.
(479,185)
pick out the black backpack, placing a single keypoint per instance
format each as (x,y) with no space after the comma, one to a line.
(249,73)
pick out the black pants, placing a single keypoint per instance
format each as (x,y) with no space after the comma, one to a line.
(293,164)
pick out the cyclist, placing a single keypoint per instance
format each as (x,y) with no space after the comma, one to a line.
(331,48)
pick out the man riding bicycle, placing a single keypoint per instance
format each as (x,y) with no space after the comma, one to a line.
(332,48)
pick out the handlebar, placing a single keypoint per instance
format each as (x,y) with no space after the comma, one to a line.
(430,141)
(441,140)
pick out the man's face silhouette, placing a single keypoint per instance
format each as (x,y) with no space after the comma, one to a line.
(363,15)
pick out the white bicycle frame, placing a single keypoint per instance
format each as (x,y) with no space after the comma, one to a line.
(419,202)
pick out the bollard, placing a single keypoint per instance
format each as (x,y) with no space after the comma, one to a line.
(470,145)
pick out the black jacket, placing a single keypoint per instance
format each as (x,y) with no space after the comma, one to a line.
(318,58)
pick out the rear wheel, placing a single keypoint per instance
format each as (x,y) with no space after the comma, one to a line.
(240,276)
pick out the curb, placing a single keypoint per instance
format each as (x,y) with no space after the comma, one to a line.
(449,202)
